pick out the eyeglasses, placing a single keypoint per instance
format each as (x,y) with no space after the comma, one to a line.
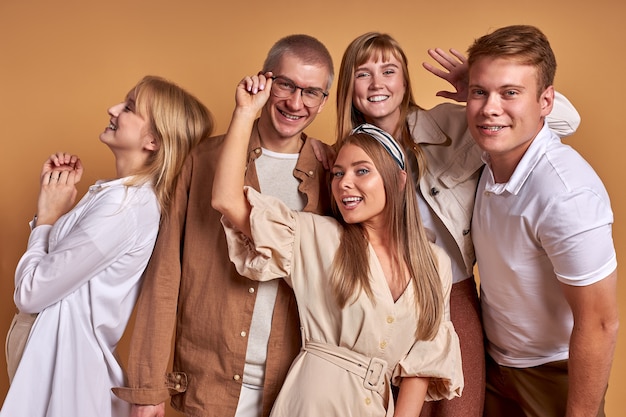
(311,97)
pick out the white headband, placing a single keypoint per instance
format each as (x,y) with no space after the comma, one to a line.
(385,139)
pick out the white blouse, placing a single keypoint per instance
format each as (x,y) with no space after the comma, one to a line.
(82,275)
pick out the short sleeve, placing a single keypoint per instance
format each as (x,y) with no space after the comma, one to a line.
(576,233)
(268,255)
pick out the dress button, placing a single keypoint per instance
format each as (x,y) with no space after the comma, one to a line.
(251,290)
(390,319)
(383,344)
(243,334)
(236,377)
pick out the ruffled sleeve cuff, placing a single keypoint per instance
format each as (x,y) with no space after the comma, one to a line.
(440,360)
(269,253)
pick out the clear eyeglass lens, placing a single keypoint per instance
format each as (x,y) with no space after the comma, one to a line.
(311,97)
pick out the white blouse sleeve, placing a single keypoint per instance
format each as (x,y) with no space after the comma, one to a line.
(269,254)
(99,236)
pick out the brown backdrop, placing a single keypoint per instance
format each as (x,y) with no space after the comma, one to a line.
(63,63)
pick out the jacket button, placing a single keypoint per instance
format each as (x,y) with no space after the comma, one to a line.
(434,191)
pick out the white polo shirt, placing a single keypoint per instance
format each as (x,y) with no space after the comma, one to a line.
(551,222)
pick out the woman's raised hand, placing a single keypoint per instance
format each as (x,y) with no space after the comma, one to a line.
(456,72)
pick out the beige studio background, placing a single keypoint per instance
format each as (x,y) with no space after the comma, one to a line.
(63,63)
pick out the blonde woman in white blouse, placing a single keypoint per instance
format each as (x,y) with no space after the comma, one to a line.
(81,273)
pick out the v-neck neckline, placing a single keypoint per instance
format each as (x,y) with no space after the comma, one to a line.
(379,272)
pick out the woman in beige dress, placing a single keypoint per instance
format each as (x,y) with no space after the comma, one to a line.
(373,294)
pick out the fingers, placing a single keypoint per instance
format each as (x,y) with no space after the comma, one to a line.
(446,60)
(52,178)
(253,92)
(447,94)
(62,159)
(61,177)
(459,55)
(255,83)
(78,170)
(436,71)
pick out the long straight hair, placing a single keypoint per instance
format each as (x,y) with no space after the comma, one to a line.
(409,245)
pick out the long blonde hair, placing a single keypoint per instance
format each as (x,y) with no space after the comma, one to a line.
(408,244)
(362,49)
(177,121)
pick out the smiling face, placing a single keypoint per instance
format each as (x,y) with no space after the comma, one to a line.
(505,112)
(358,187)
(127,130)
(284,119)
(379,89)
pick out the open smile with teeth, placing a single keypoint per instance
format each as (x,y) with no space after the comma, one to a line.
(351,201)
(377,98)
(112,126)
(492,128)
(290,116)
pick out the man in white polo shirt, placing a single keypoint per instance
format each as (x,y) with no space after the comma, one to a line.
(542,232)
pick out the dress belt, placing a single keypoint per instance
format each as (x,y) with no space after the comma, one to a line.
(373,370)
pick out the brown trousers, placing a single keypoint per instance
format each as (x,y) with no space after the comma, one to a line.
(540,391)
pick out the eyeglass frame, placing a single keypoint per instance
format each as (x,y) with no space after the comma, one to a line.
(296,87)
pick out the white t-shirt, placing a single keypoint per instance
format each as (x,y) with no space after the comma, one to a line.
(275,174)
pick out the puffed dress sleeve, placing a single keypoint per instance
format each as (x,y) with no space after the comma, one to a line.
(439,358)
(268,255)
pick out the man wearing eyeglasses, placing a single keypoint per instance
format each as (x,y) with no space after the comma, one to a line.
(235,338)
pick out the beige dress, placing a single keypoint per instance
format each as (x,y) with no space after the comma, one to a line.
(345,350)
